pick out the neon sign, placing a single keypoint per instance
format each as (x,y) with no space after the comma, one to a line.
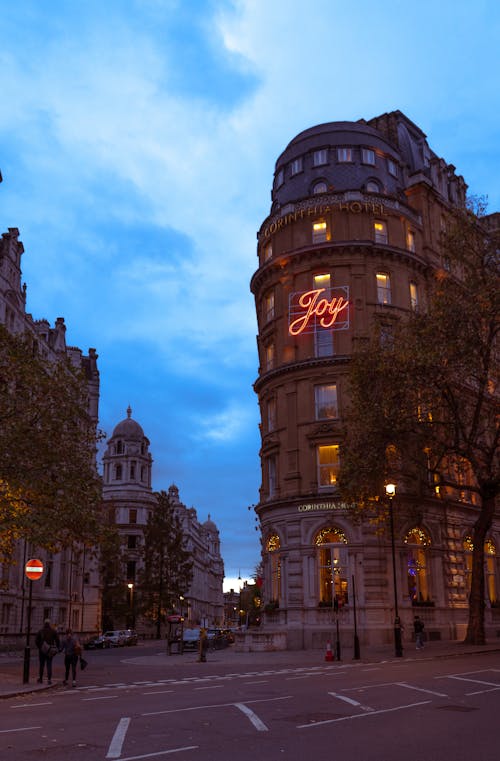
(308,311)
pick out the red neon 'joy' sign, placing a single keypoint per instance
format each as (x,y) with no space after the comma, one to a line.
(310,306)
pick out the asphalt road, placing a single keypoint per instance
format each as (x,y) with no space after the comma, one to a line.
(128,707)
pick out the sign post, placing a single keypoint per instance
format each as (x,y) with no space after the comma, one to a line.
(34,571)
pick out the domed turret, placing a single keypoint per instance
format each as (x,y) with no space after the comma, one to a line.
(127,461)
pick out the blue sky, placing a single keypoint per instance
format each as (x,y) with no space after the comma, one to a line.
(137,145)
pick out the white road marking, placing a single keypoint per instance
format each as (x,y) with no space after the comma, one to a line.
(481,692)
(351,701)
(210,687)
(362,715)
(32,705)
(161,753)
(258,724)
(215,705)
(116,744)
(158,692)
(19,729)
(421,689)
(475,681)
(101,697)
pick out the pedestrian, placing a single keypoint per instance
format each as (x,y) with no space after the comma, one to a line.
(48,644)
(418,628)
(72,651)
(203,645)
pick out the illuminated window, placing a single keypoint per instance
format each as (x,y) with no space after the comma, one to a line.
(490,570)
(417,542)
(319,231)
(280,178)
(269,357)
(320,157)
(392,167)
(269,306)
(325,398)
(413,296)
(367,156)
(333,562)
(273,546)
(344,154)
(296,165)
(271,414)
(268,252)
(328,465)
(410,240)
(380,230)
(323,338)
(372,187)
(383,288)
(319,187)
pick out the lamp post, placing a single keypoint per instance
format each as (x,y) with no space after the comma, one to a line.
(390,490)
(130,585)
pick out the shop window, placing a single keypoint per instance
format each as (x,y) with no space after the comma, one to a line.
(418,542)
(380,231)
(333,562)
(344,155)
(319,231)
(273,546)
(325,398)
(320,157)
(368,156)
(383,288)
(328,465)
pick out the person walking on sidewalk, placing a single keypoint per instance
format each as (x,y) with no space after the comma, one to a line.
(48,644)
(72,651)
(418,628)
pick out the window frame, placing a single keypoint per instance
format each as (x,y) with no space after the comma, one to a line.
(384,292)
(296,166)
(329,467)
(329,401)
(366,154)
(380,232)
(345,155)
(320,157)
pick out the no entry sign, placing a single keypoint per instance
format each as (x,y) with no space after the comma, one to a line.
(33,569)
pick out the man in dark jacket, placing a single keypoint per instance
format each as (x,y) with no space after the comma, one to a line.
(47,642)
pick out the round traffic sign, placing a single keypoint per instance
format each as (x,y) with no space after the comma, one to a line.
(33,569)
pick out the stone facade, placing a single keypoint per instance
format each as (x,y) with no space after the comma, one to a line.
(69,591)
(127,492)
(356,217)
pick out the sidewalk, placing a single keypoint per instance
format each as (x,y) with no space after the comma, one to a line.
(11,666)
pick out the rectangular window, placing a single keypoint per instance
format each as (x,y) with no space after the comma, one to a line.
(380,230)
(131,542)
(132,470)
(410,240)
(280,178)
(383,288)
(368,156)
(296,165)
(269,306)
(392,167)
(268,252)
(271,414)
(344,154)
(319,232)
(132,516)
(325,398)
(320,157)
(413,296)
(269,357)
(387,336)
(131,570)
(323,338)
(328,465)
(271,474)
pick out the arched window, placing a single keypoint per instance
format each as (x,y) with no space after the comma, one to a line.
(332,566)
(418,542)
(272,547)
(372,186)
(319,187)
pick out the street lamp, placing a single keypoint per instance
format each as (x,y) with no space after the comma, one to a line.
(130,585)
(390,490)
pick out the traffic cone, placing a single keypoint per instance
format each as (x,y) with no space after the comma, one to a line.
(329,653)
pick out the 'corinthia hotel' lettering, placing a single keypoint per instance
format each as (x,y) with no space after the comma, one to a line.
(310,306)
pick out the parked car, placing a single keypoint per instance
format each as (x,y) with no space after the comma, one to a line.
(116,638)
(217,639)
(131,637)
(190,639)
(98,642)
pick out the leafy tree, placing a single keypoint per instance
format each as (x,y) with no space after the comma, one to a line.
(168,566)
(47,448)
(425,409)
(115,603)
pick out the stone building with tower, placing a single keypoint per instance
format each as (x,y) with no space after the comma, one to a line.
(351,241)
(128,498)
(69,591)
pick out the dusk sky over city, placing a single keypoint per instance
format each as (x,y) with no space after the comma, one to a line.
(137,147)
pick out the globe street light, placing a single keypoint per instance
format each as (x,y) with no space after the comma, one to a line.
(130,585)
(390,490)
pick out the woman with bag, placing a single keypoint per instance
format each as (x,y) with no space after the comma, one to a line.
(47,642)
(72,651)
